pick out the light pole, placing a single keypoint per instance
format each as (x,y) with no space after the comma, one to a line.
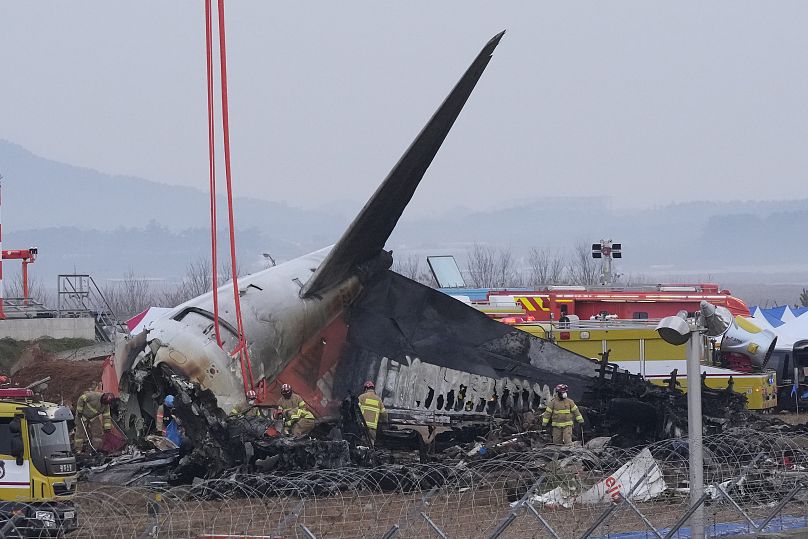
(679,330)
(607,250)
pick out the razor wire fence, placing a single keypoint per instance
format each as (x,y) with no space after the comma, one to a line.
(752,481)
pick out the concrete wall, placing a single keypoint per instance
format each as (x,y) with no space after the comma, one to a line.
(28,329)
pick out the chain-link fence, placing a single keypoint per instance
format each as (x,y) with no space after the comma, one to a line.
(752,481)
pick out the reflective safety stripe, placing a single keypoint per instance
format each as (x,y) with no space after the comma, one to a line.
(371,408)
(297,415)
(562,416)
(562,423)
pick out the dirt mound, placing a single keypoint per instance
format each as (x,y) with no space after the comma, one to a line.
(69,379)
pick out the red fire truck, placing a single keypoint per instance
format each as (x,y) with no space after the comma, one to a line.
(638,303)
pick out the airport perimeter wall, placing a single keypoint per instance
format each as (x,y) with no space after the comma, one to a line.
(29,329)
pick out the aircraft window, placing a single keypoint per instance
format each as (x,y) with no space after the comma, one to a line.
(640,316)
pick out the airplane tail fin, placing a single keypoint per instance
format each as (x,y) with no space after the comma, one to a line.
(367,234)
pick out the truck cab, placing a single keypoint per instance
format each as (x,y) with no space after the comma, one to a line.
(37,466)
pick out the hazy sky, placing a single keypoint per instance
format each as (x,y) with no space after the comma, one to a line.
(644,101)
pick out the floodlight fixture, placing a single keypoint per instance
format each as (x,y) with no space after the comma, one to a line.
(674,329)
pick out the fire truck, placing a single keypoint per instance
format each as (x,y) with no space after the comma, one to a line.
(37,466)
(592,321)
(589,303)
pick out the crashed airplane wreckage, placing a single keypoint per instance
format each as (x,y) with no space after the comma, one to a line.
(327,321)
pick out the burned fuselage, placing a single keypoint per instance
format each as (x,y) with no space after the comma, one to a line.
(290,312)
(277,321)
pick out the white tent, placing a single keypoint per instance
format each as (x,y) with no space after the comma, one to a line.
(789,324)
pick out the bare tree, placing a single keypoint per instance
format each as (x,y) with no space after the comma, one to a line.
(635,279)
(13,288)
(804,297)
(411,268)
(581,267)
(492,268)
(545,267)
(197,280)
(481,264)
(129,296)
(226,271)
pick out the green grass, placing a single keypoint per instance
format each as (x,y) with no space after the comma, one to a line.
(54,346)
(11,349)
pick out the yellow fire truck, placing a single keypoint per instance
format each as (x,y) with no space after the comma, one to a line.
(635,346)
(37,466)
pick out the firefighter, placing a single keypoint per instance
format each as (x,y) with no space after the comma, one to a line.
(289,401)
(560,413)
(372,409)
(92,405)
(250,409)
(300,421)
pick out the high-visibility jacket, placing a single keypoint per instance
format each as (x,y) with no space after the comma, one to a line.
(561,413)
(299,413)
(291,404)
(372,408)
(89,407)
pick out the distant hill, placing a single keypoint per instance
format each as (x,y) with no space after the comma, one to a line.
(106,225)
(41,193)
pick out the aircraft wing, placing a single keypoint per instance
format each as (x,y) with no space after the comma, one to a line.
(367,234)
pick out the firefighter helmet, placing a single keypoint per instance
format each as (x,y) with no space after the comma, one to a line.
(107,398)
(286,390)
(252,395)
(561,388)
(369,385)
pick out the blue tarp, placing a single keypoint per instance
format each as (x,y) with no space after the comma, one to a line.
(724,529)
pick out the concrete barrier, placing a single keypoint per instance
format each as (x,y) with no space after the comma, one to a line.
(28,329)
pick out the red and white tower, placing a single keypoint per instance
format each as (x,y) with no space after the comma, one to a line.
(2,313)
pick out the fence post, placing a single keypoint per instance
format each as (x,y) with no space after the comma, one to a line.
(690,510)
(395,528)
(153,509)
(511,516)
(392,532)
(542,521)
(294,515)
(798,487)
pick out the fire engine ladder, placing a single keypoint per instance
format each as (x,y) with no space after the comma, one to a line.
(80,297)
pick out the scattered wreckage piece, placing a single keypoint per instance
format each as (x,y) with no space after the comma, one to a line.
(136,469)
(640,478)
(635,412)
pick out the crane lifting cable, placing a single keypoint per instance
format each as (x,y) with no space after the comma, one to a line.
(212,170)
(241,349)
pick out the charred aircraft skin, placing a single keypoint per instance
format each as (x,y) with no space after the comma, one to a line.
(277,322)
(432,356)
